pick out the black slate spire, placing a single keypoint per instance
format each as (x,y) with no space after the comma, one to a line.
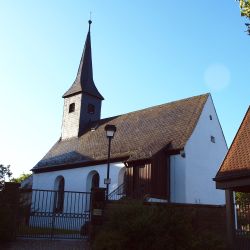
(84,82)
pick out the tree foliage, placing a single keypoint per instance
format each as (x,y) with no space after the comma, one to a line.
(4,172)
(245,8)
(242,197)
(21,178)
(245,11)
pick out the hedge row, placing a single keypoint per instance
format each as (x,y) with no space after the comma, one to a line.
(135,226)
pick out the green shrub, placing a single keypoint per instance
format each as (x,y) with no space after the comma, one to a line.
(135,226)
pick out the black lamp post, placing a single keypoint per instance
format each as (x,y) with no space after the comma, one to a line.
(110,131)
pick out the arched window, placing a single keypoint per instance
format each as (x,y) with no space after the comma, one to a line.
(59,194)
(95,181)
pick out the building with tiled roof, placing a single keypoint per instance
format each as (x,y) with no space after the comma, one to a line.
(234,172)
(170,151)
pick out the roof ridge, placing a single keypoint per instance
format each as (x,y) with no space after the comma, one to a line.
(156,106)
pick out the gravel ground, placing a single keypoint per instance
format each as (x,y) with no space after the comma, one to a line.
(44,244)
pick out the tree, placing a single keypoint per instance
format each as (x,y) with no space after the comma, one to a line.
(21,178)
(4,172)
(242,198)
(245,11)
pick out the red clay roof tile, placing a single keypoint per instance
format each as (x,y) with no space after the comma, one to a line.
(237,161)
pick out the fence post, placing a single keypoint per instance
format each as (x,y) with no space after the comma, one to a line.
(98,204)
(97,209)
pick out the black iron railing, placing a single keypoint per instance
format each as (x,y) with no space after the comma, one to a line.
(40,215)
(118,194)
(242,224)
(122,192)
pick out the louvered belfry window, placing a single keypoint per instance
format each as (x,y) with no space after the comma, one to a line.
(91,109)
(72,107)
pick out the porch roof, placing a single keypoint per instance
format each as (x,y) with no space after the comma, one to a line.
(236,165)
(140,135)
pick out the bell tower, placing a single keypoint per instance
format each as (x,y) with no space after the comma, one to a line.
(82,101)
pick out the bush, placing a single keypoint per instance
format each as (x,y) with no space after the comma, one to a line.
(136,226)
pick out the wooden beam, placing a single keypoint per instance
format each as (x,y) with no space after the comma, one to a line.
(235,185)
(230,213)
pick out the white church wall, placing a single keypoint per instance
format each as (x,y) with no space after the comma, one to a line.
(177,179)
(203,158)
(76,178)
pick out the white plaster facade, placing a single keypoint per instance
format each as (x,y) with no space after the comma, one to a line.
(77,180)
(192,175)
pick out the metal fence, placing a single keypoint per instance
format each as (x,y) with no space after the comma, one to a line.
(118,194)
(122,192)
(242,225)
(54,214)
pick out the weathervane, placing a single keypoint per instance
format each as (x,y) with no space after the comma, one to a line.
(90,19)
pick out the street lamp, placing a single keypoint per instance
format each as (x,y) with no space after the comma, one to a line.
(110,131)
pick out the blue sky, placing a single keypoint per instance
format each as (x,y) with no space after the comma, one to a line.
(144,53)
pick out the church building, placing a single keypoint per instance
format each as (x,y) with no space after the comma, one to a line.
(169,152)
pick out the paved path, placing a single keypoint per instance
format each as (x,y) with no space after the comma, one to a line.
(44,244)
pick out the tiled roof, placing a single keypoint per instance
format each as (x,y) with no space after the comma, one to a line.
(139,135)
(237,161)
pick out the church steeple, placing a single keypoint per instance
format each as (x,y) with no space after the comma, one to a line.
(82,101)
(84,79)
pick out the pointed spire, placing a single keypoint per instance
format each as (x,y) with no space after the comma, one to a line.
(84,79)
